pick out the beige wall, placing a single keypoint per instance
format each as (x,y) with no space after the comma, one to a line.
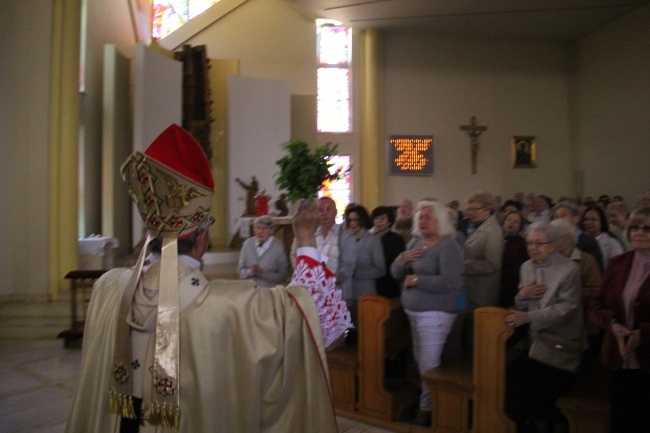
(613,108)
(272,41)
(435,84)
(25,30)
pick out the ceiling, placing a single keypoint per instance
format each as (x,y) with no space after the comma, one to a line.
(513,19)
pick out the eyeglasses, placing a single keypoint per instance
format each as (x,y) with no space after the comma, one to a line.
(635,227)
(537,244)
(472,209)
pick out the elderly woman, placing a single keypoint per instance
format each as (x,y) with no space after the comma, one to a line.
(370,263)
(594,222)
(549,301)
(621,307)
(432,272)
(263,258)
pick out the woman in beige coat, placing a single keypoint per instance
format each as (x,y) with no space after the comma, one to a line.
(549,300)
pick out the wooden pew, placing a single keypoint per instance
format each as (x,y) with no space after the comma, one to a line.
(384,331)
(343,366)
(357,371)
(475,383)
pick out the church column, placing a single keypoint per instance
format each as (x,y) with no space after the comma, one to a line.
(220,70)
(63,144)
(372,133)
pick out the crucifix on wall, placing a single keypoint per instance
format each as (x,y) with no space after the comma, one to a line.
(473,130)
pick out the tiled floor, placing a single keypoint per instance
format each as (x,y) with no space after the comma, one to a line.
(37,381)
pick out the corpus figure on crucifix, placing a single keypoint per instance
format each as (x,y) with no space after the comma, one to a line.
(473,130)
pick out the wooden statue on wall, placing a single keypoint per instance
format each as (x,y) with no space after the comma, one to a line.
(197,100)
(281,205)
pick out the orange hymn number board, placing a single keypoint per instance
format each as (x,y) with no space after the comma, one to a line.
(410,155)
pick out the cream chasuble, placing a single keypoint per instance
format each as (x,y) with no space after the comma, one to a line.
(251,360)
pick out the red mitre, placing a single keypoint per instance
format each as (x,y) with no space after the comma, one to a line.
(176,149)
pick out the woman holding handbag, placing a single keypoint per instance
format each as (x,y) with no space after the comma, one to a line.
(549,300)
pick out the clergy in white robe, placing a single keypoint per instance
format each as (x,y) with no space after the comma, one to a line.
(165,350)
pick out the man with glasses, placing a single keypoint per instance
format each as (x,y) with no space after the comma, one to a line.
(541,212)
(483,252)
(483,256)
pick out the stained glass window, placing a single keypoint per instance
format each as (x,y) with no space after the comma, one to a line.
(333,85)
(169,15)
(334,45)
(338,190)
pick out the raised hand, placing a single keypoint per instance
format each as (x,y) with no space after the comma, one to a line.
(304,224)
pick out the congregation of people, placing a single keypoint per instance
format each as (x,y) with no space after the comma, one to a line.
(164,346)
(574,273)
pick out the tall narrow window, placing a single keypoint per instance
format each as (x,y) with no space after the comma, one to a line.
(333,102)
(169,15)
(338,190)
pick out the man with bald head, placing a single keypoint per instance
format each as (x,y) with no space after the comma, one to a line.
(405,208)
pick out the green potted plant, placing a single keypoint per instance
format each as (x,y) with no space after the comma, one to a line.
(303,171)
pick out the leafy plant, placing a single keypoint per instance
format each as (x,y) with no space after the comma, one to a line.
(302,171)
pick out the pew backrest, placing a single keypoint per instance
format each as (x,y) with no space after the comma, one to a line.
(384,331)
(489,371)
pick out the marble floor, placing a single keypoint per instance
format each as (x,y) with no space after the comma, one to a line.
(37,382)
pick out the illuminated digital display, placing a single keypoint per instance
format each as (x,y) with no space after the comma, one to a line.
(410,155)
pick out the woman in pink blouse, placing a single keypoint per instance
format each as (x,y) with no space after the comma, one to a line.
(621,307)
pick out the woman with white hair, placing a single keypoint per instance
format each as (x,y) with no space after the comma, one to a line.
(263,258)
(431,269)
(549,300)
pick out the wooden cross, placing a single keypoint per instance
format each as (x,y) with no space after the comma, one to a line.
(474,130)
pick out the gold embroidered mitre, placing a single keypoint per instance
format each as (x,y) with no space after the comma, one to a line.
(172,186)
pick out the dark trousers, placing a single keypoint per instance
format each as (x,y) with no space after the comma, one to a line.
(629,401)
(548,385)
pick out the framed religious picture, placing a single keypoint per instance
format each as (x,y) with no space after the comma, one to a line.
(524,151)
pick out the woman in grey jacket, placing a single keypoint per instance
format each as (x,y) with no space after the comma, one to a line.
(431,269)
(549,299)
(263,258)
(370,263)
